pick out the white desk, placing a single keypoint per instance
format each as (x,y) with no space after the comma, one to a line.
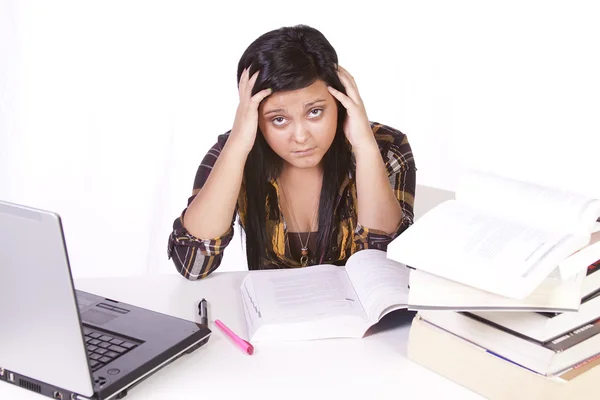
(375,367)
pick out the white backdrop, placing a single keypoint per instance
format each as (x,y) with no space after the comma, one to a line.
(107,108)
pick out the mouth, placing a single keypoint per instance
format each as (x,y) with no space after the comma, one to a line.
(303,152)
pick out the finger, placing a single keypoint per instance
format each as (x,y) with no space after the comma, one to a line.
(350,85)
(260,96)
(243,83)
(252,81)
(342,98)
(345,72)
(244,77)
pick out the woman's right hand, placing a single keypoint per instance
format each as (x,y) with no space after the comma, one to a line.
(245,126)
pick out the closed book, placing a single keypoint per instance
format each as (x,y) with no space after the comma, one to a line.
(544,358)
(553,295)
(545,326)
(491,376)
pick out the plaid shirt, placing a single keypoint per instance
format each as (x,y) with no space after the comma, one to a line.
(196,258)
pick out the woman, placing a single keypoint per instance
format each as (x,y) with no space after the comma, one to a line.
(311,179)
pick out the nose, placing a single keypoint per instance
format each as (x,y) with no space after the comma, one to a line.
(301,133)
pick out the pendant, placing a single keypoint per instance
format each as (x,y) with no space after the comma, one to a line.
(304,258)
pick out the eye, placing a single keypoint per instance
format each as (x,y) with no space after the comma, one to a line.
(315,112)
(279,121)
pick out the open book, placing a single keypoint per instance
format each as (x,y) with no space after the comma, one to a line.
(323,301)
(500,235)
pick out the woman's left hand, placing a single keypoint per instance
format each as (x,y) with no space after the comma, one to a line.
(357,127)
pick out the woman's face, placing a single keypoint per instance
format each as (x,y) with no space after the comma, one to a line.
(299,125)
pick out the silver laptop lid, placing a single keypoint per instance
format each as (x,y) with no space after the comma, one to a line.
(41,335)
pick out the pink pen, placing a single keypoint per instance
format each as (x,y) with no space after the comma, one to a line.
(244,345)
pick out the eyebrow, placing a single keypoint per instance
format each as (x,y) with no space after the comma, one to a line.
(307,105)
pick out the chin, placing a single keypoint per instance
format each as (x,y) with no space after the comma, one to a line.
(305,162)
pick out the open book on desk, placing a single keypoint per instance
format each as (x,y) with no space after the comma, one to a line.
(323,301)
(500,235)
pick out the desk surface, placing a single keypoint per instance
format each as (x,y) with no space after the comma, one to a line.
(374,367)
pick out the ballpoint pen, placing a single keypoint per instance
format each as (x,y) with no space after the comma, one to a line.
(203,312)
(241,343)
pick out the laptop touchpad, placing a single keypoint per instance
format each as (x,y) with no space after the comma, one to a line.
(97,317)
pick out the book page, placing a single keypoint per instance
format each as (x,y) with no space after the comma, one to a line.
(380,283)
(252,313)
(499,255)
(293,295)
(545,207)
(455,236)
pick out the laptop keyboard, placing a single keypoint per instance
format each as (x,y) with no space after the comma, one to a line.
(103,348)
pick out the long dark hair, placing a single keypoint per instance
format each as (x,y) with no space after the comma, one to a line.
(290,58)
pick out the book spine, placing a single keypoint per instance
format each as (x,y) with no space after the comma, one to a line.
(574,337)
(590,296)
(593,268)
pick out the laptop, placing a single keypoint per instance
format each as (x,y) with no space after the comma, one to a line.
(65,343)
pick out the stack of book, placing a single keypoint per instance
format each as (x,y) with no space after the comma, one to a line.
(506,281)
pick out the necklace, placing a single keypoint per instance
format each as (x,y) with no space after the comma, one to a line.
(304,247)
